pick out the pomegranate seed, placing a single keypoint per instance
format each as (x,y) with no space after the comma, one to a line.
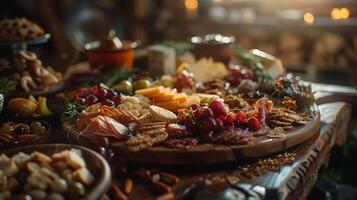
(254,124)
(217,108)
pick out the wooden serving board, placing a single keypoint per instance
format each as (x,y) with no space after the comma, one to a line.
(209,153)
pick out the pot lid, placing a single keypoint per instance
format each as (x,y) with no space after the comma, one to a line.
(111,42)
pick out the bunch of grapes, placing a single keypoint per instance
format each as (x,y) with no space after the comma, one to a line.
(97,94)
(236,75)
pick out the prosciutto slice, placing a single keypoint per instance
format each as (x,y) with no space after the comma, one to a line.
(105,126)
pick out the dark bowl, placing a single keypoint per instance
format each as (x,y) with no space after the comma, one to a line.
(55,105)
(95,163)
(219,47)
(38,140)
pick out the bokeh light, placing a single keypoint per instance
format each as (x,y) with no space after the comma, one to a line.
(309,18)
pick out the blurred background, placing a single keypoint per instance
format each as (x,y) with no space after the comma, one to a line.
(316,39)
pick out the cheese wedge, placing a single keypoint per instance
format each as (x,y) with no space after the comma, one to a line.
(149,91)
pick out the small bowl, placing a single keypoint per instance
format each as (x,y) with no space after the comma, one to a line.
(110,52)
(38,140)
(95,163)
(217,46)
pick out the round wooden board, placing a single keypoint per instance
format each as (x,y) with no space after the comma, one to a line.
(209,153)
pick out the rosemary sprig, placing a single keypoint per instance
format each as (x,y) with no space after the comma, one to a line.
(72,110)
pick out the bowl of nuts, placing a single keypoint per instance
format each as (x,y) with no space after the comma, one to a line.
(53,171)
(23,133)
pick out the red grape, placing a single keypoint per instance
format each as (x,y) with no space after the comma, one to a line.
(184,81)
(254,124)
(116,99)
(248,75)
(195,106)
(209,125)
(102,93)
(207,136)
(235,72)
(197,114)
(191,124)
(94,89)
(219,124)
(91,99)
(80,101)
(108,102)
(217,108)
(207,113)
(176,131)
(111,93)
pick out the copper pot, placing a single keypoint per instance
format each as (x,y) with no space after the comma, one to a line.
(110,52)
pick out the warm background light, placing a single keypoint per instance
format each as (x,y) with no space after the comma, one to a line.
(309,18)
(191,4)
(345,13)
(340,13)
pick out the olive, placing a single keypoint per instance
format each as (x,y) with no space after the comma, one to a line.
(141,84)
(22,197)
(39,130)
(37,194)
(59,185)
(124,87)
(55,196)
(33,125)
(22,129)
